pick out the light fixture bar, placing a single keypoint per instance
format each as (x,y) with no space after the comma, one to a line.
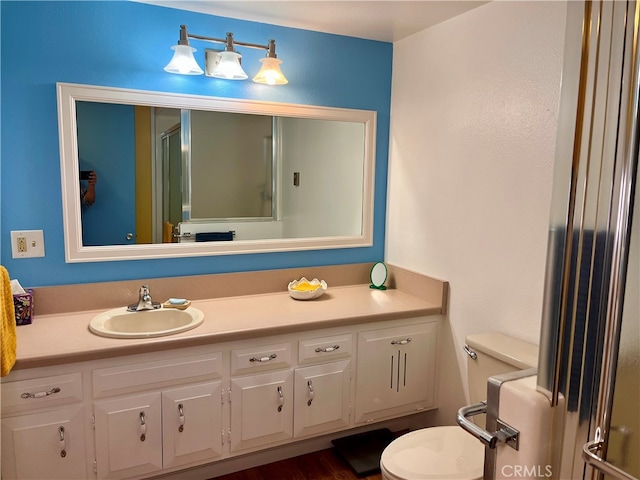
(227,64)
(225,41)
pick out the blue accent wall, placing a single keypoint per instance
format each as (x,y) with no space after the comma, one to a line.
(126,44)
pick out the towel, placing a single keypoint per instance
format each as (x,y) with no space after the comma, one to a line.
(215,236)
(8,342)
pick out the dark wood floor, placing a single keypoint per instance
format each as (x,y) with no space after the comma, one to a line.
(322,465)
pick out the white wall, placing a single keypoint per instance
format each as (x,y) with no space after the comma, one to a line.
(473,121)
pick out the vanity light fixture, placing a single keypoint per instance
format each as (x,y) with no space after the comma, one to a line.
(224,64)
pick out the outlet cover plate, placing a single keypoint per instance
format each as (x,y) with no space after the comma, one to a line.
(34,240)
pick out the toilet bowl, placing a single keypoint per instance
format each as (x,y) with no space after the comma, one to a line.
(442,453)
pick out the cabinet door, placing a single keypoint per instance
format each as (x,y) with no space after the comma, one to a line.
(44,445)
(261,409)
(128,435)
(192,424)
(395,374)
(322,395)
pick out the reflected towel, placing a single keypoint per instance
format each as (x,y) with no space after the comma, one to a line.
(215,236)
(167,232)
(8,342)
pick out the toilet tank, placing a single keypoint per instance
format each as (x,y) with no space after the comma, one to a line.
(496,354)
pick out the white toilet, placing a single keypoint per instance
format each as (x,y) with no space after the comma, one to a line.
(450,452)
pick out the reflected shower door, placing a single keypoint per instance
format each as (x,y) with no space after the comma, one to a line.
(171,176)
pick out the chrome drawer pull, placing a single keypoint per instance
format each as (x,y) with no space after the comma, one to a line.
(263,359)
(327,349)
(63,444)
(143,427)
(280,398)
(311,392)
(400,342)
(40,394)
(180,418)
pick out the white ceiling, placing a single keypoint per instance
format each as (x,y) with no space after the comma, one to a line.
(386,21)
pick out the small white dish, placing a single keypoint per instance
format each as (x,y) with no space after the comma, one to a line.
(304,289)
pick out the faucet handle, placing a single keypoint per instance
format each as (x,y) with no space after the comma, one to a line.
(144,301)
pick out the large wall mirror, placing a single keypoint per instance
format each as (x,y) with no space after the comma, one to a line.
(185,175)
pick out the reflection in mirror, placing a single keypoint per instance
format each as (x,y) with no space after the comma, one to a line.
(231,166)
(226,172)
(181,169)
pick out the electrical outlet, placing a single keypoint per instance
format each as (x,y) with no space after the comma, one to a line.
(22,244)
(27,243)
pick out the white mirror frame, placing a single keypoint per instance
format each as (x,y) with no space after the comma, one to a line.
(69,94)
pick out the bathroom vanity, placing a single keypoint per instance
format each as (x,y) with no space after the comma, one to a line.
(261,371)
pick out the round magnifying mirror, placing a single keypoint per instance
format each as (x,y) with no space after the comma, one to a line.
(378,276)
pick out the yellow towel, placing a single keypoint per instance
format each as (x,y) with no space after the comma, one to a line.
(7,326)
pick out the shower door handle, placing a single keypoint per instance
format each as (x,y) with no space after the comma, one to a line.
(589,450)
(505,434)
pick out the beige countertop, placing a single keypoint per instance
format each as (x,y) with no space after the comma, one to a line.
(65,337)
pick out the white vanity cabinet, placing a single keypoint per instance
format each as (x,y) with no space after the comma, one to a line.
(44,445)
(43,428)
(323,389)
(145,433)
(128,435)
(191,424)
(396,371)
(150,414)
(166,425)
(262,398)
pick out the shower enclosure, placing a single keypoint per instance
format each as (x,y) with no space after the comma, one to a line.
(589,365)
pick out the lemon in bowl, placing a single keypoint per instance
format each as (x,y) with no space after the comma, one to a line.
(304,289)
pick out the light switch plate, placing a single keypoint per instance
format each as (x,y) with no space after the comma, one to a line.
(27,243)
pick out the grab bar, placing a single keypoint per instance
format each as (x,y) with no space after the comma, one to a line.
(505,434)
(589,456)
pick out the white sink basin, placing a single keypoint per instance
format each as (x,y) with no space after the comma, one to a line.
(119,323)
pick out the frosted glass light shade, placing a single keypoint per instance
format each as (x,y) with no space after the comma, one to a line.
(183,62)
(270,73)
(229,67)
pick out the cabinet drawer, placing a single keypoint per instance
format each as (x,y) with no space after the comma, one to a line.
(314,350)
(155,374)
(41,392)
(256,359)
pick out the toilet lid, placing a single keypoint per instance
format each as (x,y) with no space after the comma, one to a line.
(435,453)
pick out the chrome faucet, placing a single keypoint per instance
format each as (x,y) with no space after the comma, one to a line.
(144,301)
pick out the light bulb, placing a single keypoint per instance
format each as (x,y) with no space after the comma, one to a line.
(229,67)
(270,73)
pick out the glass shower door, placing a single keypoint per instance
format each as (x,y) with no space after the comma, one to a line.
(624,431)
(589,361)
(614,452)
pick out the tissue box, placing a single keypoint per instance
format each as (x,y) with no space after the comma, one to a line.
(23,303)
